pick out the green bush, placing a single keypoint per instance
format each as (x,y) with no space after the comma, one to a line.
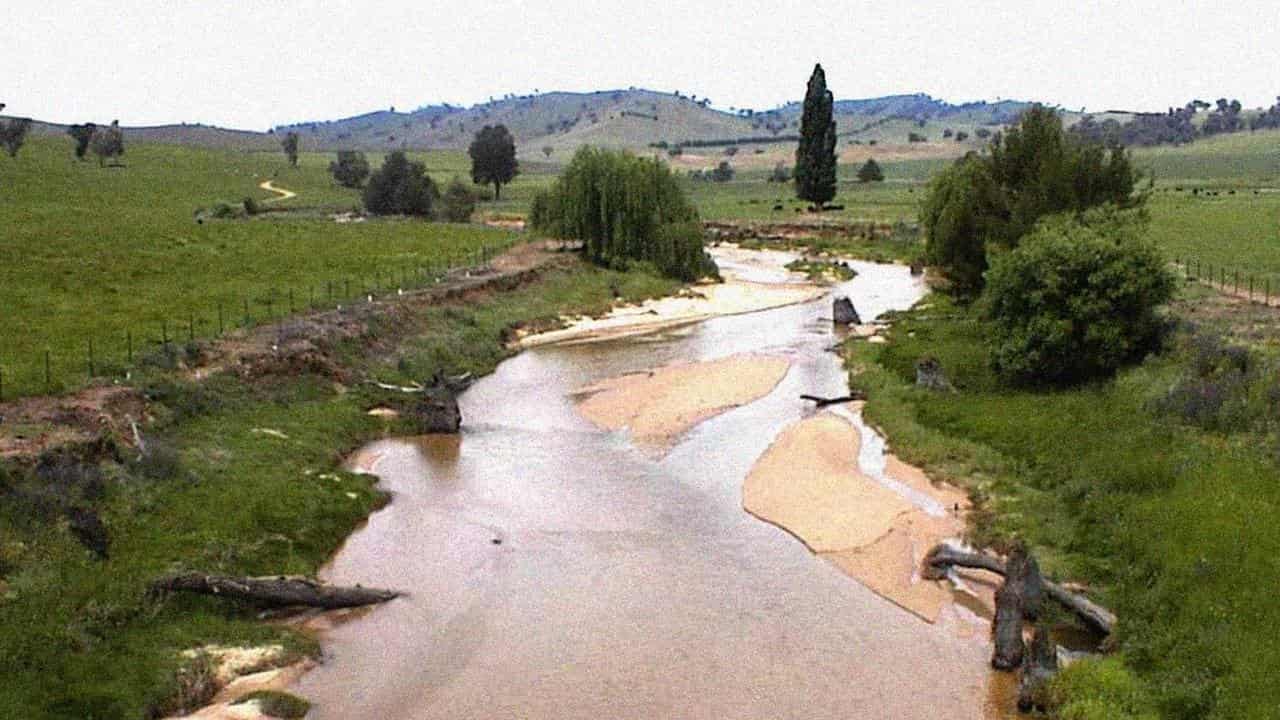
(1076,300)
(459,202)
(277,704)
(1100,690)
(400,187)
(624,208)
(350,169)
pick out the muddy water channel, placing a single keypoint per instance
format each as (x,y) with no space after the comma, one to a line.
(558,570)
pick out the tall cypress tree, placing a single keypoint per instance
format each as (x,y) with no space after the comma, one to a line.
(816,157)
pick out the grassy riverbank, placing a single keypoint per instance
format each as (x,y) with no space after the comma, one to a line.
(1172,524)
(249,485)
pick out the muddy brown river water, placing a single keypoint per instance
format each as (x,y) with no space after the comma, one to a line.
(556,570)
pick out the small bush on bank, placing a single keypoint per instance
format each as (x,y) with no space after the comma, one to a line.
(1225,388)
(1076,300)
(1100,690)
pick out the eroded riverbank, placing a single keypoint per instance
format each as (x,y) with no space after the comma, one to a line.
(556,569)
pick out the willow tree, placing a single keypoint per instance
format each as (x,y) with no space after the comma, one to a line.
(815,172)
(624,208)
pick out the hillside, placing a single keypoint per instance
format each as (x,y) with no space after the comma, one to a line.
(551,125)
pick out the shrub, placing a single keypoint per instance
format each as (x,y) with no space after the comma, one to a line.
(350,169)
(1225,387)
(723,172)
(458,202)
(870,172)
(1076,300)
(277,704)
(222,211)
(1102,689)
(624,208)
(916,137)
(781,174)
(400,187)
(251,206)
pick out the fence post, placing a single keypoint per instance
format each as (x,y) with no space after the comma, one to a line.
(247,319)
(291,311)
(1250,288)
(221,327)
(191,327)
(91,368)
(1237,281)
(164,330)
(1,384)
(48,380)
(128,346)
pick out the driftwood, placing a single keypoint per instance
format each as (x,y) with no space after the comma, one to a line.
(1090,613)
(279,591)
(823,402)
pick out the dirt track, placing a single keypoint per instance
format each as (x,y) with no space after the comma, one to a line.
(281,193)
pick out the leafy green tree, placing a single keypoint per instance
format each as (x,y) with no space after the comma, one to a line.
(493,158)
(547,150)
(723,172)
(624,209)
(400,187)
(108,143)
(870,172)
(961,211)
(290,145)
(13,133)
(458,202)
(350,169)
(988,202)
(1076,300)
(82,134)
(815,172)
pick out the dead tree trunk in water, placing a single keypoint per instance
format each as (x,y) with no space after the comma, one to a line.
(1040,666)
(1090,613)
(278,591)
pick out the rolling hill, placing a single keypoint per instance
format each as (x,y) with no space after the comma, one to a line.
(551,125)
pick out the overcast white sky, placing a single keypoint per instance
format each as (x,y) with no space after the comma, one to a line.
(257,64)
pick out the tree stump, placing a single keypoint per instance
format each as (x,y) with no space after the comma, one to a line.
(1038,668)
(843,312)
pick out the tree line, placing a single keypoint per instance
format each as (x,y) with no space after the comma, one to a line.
(1177,125)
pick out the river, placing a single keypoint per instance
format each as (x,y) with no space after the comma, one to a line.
(556,570)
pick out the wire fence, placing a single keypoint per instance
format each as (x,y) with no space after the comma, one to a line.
(160,342)
(1250,285)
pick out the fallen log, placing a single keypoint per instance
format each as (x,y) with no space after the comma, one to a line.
(943,556)
(823,402)
(279,591)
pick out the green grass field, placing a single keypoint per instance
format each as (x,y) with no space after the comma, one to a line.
(1170,524)
(102,254)
(81,638)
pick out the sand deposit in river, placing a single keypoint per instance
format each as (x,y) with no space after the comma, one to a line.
(660,405)
(753,281)
(809,482)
